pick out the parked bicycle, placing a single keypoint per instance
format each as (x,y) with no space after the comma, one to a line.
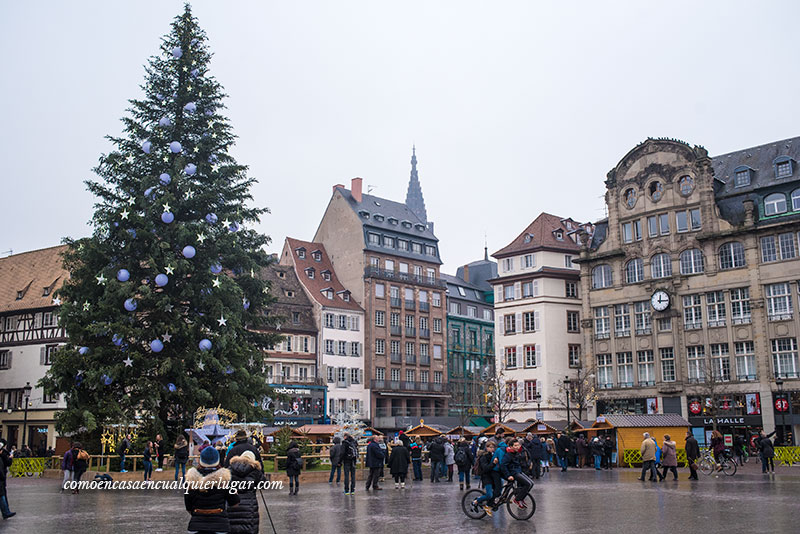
(476,511)
(708,465)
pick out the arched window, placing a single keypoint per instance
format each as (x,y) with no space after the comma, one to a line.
(731,255)
(775,204)
(796,200)
(601,276)
(692,261)
(634,271)
(686,185)
(660,266)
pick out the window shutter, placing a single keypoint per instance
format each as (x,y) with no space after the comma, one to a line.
(536,288)
(518,323)
(347,348)
(360,376)
(536,321)
(539,359)
(520,356)
(499,320)
(42,355)
(517,290)
(498,294)
(347,377)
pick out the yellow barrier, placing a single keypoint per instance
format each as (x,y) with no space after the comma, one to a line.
(27,467)
(787,455)
(634,456)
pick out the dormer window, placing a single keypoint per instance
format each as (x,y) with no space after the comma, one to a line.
(290,293)
(310,273)
(281,275)
(328,292)
(392,220)
(326,275)
(388,241)
(345,295)
(559,235)
(783,167)
(301,253)
(406,224)
(20,294)
(461,291)
(741,176)
(528,238)
(402,244)
(317,255)
(420,227)
(378,217)
(775,204)
(374,239)
(46,292)
(364,214)
(416,248)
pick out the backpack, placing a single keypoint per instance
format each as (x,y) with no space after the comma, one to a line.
(298,463)
(350,451)
(461,457)
(476,469)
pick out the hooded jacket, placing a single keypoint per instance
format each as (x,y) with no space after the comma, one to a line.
(292,459)
(399,460)
(244,518)
(208,505)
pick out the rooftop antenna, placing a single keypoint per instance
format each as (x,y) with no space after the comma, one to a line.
(485,247)
(370,188)
(9,252)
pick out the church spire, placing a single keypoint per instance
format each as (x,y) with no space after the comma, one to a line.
(414,199)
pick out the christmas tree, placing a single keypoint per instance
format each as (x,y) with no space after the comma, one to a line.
(164,309)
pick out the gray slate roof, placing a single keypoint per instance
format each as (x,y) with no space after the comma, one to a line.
(646,421)
(453,282)
(479,273)
(760,159)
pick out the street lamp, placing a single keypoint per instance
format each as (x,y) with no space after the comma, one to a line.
(26,394)
(538,400)
(567,384)
(779,383)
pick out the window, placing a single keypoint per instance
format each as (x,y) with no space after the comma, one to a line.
(374,239)
(568,261)
(695,360)
(634,271)
(409,321)
(688,220)
(720,362)
(779,301)
(461,291)
(389,265)
(49,319)
(508,292)
(665,324)
(530,289)
(487,315)
(305,344)
(692,261)
(402,244)
(694,219)
(783,169)
(681,221)
(667,364)
(630,198)
(430,251)
(740,305)
(380,291)
(380,318)
(317,255)
(5,359)
(301,253)
(380,346)
(622,320)
(774,204)
(715,308)
(375,262)
(380,374)
(508,264)
(571,289)
(782,248)
(511,391)
(48,352)
(530,321)
(796,200)
(647,368)
(731,255)
(455,308)
(394,347)
(602,323)
(355,375)
(528,261)
(663,223)
(423,376)
(531,394)
(437,352)
(310,273)
(656,191)
(511,357)
(326,275)
(574,353)
(342,348)
(686,185)
(652,226)
(394,374)
(295,317)
(742,178)
(416,248)
(437,377)
(424,350)
(642,317)
(745,360)
(394,319)
(436,300)
(625,369)
(784,357)
(530,355)
(50,398)
(510,323)
(409,348)
(692,312)
(573,321)
(328,346)
(388,242)
(627,233)
(341,375)
(660,266)
(632,231)
(342,322)
(601,276)
(410,375)
(431,275)
(437,326)
(605,371)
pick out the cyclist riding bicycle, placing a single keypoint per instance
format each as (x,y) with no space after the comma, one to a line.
(511,469)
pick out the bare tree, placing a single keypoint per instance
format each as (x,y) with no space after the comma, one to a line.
(502,395)
(581,394)
(712,387)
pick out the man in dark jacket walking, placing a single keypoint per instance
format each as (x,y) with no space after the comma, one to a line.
(349,461)
(464,460)
(538,452)
(336,455)
(241,445)
(608,451)
(563,447)
(436,453)
(375,461)
(692,454)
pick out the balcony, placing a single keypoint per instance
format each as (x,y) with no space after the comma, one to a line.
(692,326)
(309,380)
(411,331)
(394,302)
(741,320)
(411,359)
(383,274)
(411,305)
(746,378)
(780,316)
(644,331)
(396,330)
(424,307)
(395,357)
(424,332)
(407,386)
(716,324)
(602,335)
(622,333)
(424,360)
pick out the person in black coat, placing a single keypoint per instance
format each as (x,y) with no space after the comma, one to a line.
(5,463)
(207,498)
(398,463)
(563,448)
(245,469)
(767,451)
(240,445)
(336,455)
(436,453)
(608,451)
(181,456)
(375,460)
(294,464)
(692,454)
(464,460)
(538,452)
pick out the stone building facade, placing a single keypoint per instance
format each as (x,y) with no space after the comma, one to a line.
(690,286)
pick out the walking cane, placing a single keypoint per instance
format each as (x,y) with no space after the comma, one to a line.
(261,492)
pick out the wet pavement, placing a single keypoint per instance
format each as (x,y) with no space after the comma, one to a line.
(579,501)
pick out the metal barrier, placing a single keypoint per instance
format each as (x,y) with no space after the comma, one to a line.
(634,456)
(787,455)
(27,467)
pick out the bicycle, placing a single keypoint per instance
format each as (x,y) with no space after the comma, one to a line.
(708,465)
(474,511)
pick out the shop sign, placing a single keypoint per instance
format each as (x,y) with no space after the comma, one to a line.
(724,420)
(782,405)
(695,407)
(541,427)
(728,440)
(601,419)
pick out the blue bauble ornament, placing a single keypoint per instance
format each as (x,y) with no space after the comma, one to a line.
(171,387)
(177,52)
(165,122)
(245,304)
(132,232)
(175,147)
(211,218)
(116,224)
(160,96)
(167,217)
(195,73)
(209,112)
(116,339)
(234,227)
(190,169)
(204,344)
(130,305)
(189,252)
(156,345)
(164,179)
(123,275)
(78,379)
(150,193)
(229,370)
(216,268)
(162,280)
(191,107)
(107,380)
(146,146)
(83,351)
(205,292)
(212,158)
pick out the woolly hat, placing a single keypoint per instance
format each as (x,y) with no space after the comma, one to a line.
(209,457)
(249,455)
(241,434)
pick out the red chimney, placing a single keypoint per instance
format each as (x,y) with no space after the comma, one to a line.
(355,188)
(338,186)
(466,273)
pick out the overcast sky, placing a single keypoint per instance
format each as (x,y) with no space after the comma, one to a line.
(515,107)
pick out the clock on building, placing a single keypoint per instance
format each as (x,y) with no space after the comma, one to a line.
(660,300)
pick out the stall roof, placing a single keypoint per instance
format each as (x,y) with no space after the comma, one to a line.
(427,430)
(317,430)
(465,430)
(490,430)
(645,421)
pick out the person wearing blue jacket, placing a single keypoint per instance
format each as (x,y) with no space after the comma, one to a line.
(511,470)
(374,460)
(497,457)
(658,451)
